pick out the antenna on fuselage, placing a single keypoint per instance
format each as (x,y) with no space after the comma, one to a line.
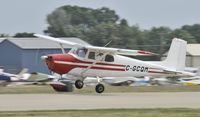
(108,43)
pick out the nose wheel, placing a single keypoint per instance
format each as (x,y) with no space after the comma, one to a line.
(79,84)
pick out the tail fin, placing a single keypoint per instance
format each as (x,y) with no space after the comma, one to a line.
(176,55)
(23,71)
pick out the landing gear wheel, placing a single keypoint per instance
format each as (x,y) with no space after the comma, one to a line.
(79,84)
(99,88)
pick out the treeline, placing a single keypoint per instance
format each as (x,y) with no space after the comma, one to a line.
(99,26)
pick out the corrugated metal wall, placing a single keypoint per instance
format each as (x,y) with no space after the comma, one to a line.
(10,57)
(13,59)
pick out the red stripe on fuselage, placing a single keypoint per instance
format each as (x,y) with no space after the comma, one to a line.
(65,68)
(103,68)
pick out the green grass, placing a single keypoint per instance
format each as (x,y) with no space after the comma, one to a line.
(174,112)
(91,89)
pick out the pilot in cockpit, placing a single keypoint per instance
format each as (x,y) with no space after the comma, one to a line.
(81,52)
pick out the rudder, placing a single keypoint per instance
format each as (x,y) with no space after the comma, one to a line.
(176,56)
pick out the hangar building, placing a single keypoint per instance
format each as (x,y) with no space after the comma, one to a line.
(193,55)
(19,53)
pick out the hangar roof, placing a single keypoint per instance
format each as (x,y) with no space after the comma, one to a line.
(193,49)
(37,43)
(2,39)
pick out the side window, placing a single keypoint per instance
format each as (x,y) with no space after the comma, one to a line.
(91,55)
(109,58)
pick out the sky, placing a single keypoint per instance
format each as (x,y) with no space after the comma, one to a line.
(30,15)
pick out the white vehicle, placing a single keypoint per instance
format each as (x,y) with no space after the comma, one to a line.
(91,61)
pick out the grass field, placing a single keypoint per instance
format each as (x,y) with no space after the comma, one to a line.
(91,89)
(174,112)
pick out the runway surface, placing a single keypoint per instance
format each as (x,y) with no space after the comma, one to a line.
(18,102)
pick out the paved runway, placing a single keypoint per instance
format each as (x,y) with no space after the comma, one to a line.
(16,102)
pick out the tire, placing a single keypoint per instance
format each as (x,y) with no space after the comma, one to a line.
(100,88)
(79,84)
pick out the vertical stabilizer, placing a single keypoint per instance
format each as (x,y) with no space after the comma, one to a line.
(176,55)
(23,71)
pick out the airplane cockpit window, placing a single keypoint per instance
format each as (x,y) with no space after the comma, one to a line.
(81,52)
(109,58)
(100,57)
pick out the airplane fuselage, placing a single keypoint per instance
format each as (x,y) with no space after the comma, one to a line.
(121,66)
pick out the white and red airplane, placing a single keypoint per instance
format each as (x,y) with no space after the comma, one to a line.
(92,61)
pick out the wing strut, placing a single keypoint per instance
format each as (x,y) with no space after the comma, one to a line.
(108,43)
(62,48)
(93,63)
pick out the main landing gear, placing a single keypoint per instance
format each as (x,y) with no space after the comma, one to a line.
(99,87)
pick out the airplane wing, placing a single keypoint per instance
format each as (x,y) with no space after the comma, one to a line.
(56,39)
(17,83)
(126,52)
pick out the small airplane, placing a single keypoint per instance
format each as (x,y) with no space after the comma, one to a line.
(195,80)
(23,78)
(189,81)
(8,79)
(92,61)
